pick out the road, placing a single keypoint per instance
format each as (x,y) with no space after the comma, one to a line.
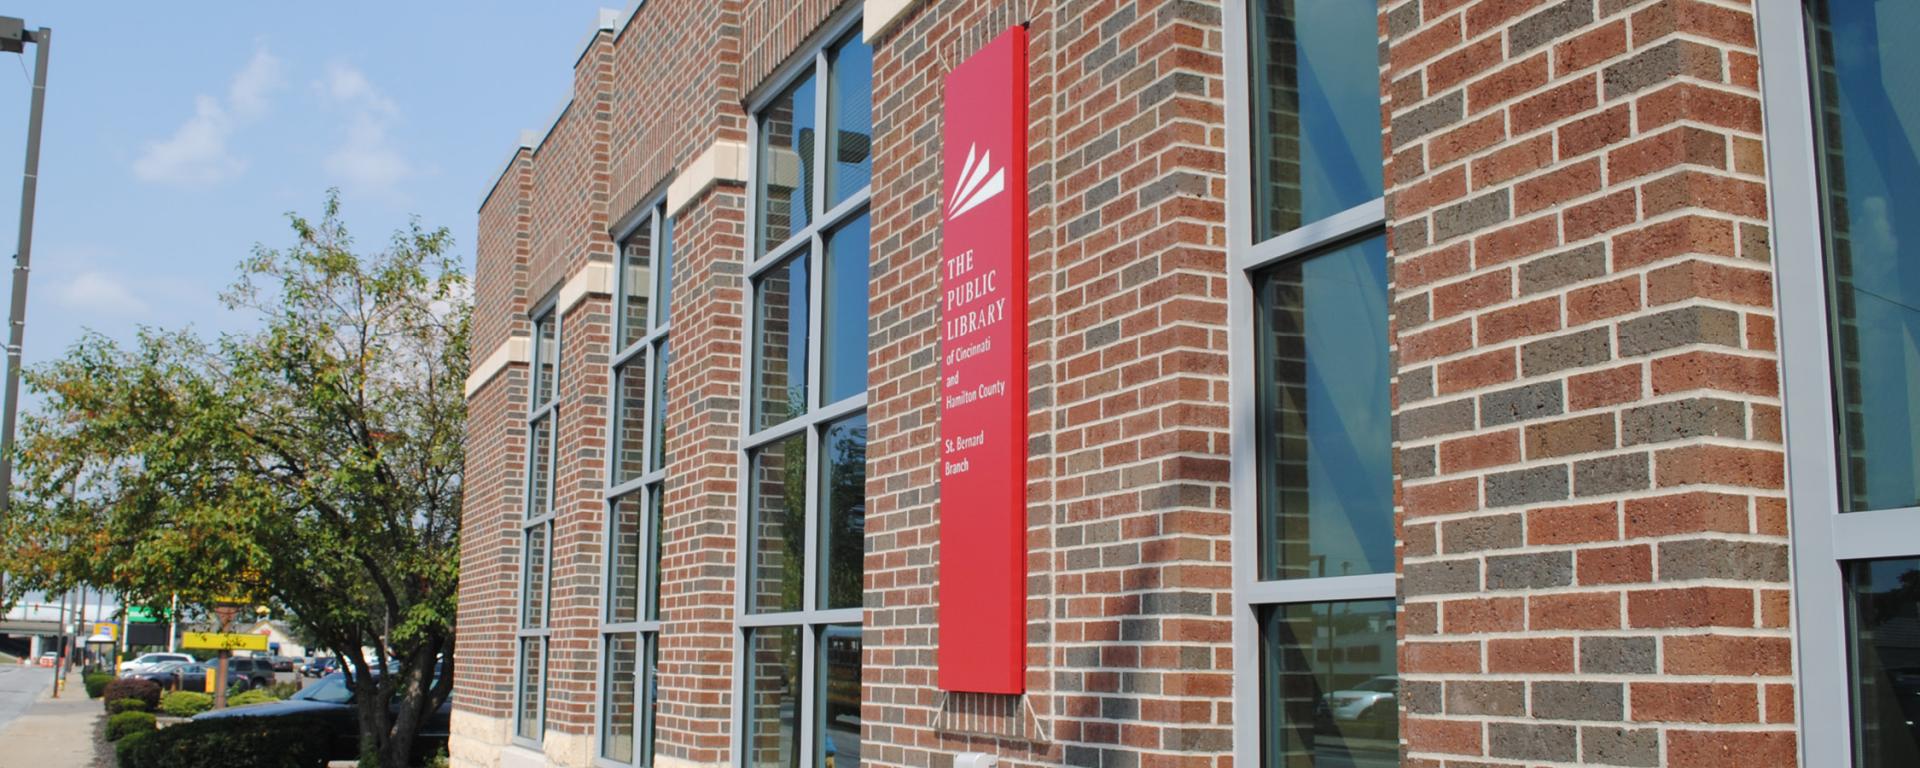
(18,687)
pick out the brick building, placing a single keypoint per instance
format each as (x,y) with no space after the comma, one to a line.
(1436,383)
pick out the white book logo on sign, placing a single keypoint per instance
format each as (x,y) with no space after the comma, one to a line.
(975,188)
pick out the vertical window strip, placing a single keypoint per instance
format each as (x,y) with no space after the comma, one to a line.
(803,435)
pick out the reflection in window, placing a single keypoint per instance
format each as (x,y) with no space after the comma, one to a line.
(844,345)
(1325,438)
(629,417)
(652,556)
(635,286)
(837,738)
(1868,130)
(773,703)
(533,606)
(1884,642)
(617,721)
(624,560)
(786,164)
(1328,687)
(780,358)
(843,539)
(1316,110)
(663,361)
(545,355)
(850,113)
(540,469)
(776,536)
(527,724)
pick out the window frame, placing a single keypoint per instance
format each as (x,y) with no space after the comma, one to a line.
(1245,256)
(811,58)
(653,218)
(539,413)
(1824,539)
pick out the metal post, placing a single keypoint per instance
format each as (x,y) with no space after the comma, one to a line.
(60,662)
(17,317)
(173,624)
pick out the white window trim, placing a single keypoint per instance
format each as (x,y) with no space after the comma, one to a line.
(1823,538)
(812,59)
(1244,256)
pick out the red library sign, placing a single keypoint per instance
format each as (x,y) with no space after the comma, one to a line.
(983,371)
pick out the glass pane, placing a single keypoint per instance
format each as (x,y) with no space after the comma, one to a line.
(837,739)
(532,668)
(540,468)
(777,536)
(844,347)
(654,548)
(545,355)
(1325,436)
(850,116)
(533,587)
(1884,642)
(636,286)
(662,309)
(843,539)
(629,419)
(624,559)
(652,688)
(617,719)
(1869,134)
(773,702)
(663,360)
(780,358)
(786,164)
(1316,110)
(1328,686)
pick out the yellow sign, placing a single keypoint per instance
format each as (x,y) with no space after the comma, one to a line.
(222,641)
(107,628)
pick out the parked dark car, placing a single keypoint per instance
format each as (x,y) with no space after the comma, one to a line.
(284,663)
(250,672)
(177,675)
(320,667)
(330,698)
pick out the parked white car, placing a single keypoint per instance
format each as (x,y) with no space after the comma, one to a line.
(1375,698)
(147,662)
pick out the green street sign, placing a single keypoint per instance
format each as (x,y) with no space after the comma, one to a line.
(139,615)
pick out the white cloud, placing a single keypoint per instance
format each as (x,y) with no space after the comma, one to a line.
(100,293)
(197,152)
(367,159)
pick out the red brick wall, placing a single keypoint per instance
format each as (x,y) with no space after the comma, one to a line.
(495,469)
(1593,522)
(1129,656)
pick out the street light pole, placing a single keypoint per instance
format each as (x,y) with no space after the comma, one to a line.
(13,36)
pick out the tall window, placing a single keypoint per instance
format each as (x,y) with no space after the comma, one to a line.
(1314,505)
(805,433)
(636,474)
(1845,157)
(536,536)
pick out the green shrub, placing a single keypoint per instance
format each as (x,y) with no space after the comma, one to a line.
(301,741)
(255,696)
(126,705)
(185,703)
(131,688)
(283,690)
(96,684)
(127,744)
(128,722)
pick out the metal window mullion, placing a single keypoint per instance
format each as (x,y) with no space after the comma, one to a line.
(781,431)
(844,407)
(1312,236)
(643,694)
(823,134)
(625,356)
(626,487)
(816,319)
(846,209)
(1325,589)
(768,619)
(796,243)
(810,563)
(808,671)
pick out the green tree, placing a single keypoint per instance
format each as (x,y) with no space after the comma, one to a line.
(316,462)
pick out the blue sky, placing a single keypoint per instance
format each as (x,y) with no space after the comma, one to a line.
(177,139)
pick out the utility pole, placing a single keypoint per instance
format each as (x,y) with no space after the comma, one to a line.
(13,38)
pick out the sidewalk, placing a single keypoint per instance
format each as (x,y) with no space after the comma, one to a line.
(54,733)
